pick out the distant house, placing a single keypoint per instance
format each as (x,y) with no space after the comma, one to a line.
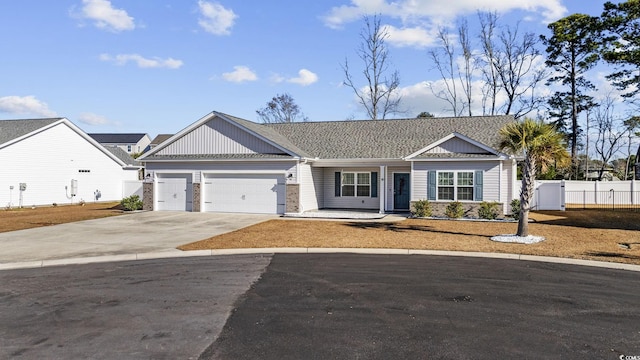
(159,140)
(222,163)
(638,164)
(46,161)
(130,143)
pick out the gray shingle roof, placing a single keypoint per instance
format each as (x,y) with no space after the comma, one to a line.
(12,129)
(113,138)
(385,139)
(160,138)
(122,155)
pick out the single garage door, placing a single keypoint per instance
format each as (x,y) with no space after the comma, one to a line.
(174,193)
(245,193)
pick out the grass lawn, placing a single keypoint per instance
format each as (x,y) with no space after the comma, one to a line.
(582,234)
(586,234)
(26,218)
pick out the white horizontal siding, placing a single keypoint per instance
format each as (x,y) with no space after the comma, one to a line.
(456,145)
(491,183)
(310,187)
(218,137)
(346,202)
(49,160)
(197,168)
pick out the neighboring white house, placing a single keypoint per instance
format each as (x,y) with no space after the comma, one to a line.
(130,143)
(46,161)
(222,163)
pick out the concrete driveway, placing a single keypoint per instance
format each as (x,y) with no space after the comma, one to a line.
(135,233)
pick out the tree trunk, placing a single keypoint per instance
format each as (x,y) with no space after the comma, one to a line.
(526,194)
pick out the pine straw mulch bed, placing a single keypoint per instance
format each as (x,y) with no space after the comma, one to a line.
(589,234)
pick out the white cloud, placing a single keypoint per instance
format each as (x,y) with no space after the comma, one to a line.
(142,62)
(216,19)
(240,74)
(413,37)
(93,119)
(305,78)
(25,105)
(105,16)
(437,11)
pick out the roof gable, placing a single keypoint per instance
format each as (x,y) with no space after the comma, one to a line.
(220,134)
(454,145)
(18,130)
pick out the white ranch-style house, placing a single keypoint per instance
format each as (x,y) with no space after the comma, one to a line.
(222,163)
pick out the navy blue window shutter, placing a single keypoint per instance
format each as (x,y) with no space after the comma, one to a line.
(338,184)
(431,185)
(477,191)
(374,184)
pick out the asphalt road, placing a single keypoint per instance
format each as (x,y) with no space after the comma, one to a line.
(420,307)
(170,309)
(320,306)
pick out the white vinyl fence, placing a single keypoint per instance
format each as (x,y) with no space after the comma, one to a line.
(562,195)
(132,187)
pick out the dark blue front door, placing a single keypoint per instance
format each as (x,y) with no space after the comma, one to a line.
(401,191)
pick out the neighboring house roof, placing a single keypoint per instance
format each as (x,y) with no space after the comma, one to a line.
(122,155)
(113,138)
(358,139)
(13,129)
(160,138)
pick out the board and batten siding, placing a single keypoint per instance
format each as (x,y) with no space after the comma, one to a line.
(491,181)
(311,195)
(218,136)
(347,202)
(47,162)
(456,145)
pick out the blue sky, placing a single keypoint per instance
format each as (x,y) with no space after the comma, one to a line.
(157,66)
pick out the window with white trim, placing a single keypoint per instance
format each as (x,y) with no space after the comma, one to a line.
(455,185)
(356,184)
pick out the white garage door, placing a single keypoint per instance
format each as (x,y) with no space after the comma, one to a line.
(174,194)
(246,193)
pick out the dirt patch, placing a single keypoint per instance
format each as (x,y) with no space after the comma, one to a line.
(593,235)
(26,218)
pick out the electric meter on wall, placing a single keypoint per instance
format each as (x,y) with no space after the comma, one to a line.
(23,186)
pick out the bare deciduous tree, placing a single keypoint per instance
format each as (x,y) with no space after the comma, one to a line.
(380,97)
(610,137)
(281,109)
(489,61)
(444,60)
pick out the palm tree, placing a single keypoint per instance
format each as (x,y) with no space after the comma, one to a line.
(541,145)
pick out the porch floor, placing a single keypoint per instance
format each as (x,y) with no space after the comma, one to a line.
(345,214)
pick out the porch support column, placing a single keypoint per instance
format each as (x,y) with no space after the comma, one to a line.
(382,190)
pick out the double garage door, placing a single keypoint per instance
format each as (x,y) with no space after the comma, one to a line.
(244,193)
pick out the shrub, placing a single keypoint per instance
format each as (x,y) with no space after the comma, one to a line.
(515,209)
(488,210)
(131,203)
(421,208)
(454,210)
